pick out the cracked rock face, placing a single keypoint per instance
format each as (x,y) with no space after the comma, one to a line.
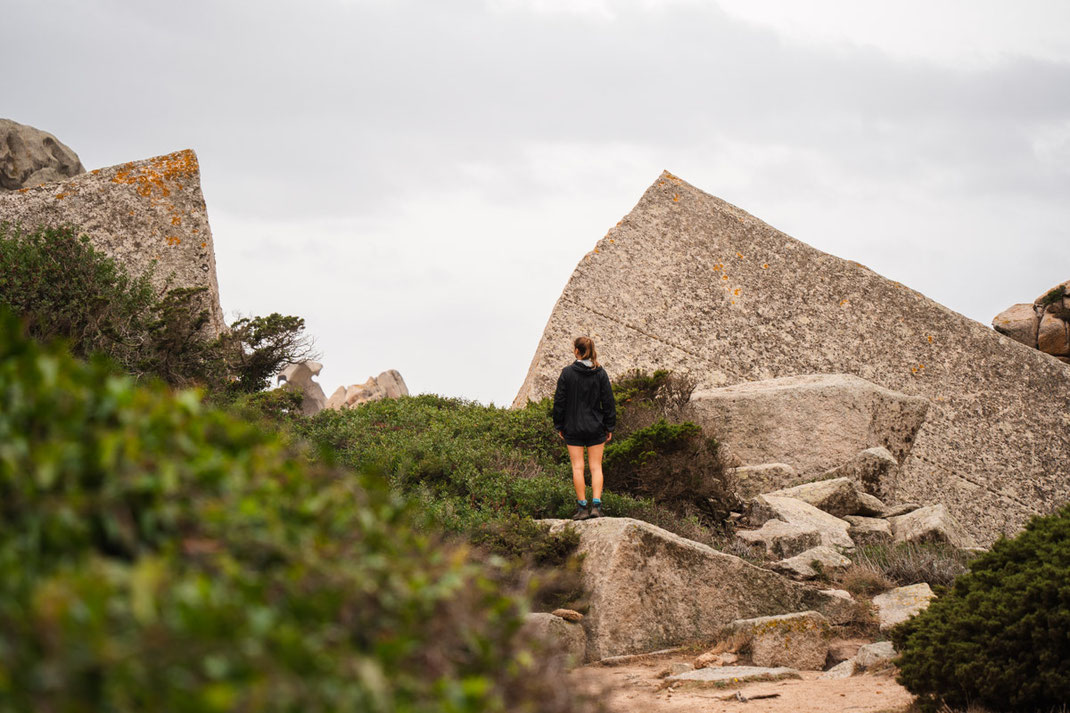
(691,283)
(30,157)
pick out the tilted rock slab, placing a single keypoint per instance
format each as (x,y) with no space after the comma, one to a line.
(145,214)
(30,157)
(650,589)
(691,283)
(931,524)
(812,422)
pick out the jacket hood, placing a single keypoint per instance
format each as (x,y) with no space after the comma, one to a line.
(584,369)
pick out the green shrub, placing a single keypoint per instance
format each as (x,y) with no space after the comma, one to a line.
(156,554)
(1001,636)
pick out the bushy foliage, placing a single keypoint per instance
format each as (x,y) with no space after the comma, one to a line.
(156,554)
(62,287)
(1001,636)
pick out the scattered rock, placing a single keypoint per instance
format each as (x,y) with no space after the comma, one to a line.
(930,524)
(660,292)
(799,640)
(836,496)
(754,480)
(299,376)
(875,655)
(145,214)
(29,157)
(813,563)
(568,614)
(649,588)
(876,470)
(844,669)
(388,385)
(812,422)
(832,530)
(713,658)
(777,538)
(565,638)
(869,530)
(720,676)
(900,604)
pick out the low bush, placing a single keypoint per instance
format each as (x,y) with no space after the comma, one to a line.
(905,563)
(156,554)
(999,637)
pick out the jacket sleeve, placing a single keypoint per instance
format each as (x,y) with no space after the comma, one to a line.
(560,398)
(609,405)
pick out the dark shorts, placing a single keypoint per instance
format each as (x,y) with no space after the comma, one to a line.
(580,441)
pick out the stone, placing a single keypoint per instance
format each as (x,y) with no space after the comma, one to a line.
(875,469)
(841,650)
(831,529)
(653,295)
(836,496)
(30,157)
(649,589)
(678,667)
(725,675)
(145,214)
(930,524)
(568,614)
(564,638)
(1054,335)
(897,605)
(1019,323)
(799,640)
(388,385)
(299,376)
(812,422)
(901,509)
(713,658)
(875,655)
(870,506)
(840,593)
(754,480)
(869,530)
(801,566)
(844,669)
(777,538)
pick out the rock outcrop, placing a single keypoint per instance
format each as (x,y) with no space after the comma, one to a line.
(144,214)
(299,376)
(1043,325)
(30,157)
(388,385)
(691,283)
(649,589)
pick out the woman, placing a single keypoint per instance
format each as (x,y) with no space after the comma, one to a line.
(584,417)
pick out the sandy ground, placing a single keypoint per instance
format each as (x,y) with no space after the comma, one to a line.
(637,688)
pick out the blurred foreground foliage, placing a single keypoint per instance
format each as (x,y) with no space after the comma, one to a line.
(156,554)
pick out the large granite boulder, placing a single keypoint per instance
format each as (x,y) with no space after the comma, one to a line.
(751,480)
(831,530)
(145,214)
(388,385)
(30,157)
(691,283)
(779,539)
(812,422)
(931,524)
(836,496)
(650,589)
(799,640)
(299,376)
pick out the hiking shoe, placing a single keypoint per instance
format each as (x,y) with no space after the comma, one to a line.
(596,510)
(581,513)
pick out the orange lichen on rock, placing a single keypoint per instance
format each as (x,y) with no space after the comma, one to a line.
(765,266)
(157,178)
(675,198)
(171,240)
(176,220)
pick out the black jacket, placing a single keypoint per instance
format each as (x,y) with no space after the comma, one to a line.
(583,402)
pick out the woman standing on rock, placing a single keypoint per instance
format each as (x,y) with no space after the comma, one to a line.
(584,417)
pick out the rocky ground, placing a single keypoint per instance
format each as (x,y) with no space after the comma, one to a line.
(639,687)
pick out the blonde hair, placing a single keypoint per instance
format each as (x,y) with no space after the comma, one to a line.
(585,346)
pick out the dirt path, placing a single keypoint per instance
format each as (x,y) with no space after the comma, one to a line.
(637,688)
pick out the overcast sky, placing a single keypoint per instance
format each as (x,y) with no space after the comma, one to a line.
(419,179)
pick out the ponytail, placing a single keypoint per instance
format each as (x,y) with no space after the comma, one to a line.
(585,346)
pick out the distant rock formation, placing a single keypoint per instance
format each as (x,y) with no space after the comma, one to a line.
(1043,325)
(691,283)
(388,385)
(145,214)
(299,376)
(29,157)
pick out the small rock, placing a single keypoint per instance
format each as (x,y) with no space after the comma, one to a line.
(844,669)
(799,640)
(839,593)
(930,524)
(678,667)
(901,509)
(841,650)
(714,658)
(813,563)
(564,638)
(754,480)
(898,605)
(567,614)
(777,538)
(875,469)
(874,655)
(734,674)
(869,530)
(832,530)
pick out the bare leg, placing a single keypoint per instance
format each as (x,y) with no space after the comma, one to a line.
(575,454)
(594,460)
